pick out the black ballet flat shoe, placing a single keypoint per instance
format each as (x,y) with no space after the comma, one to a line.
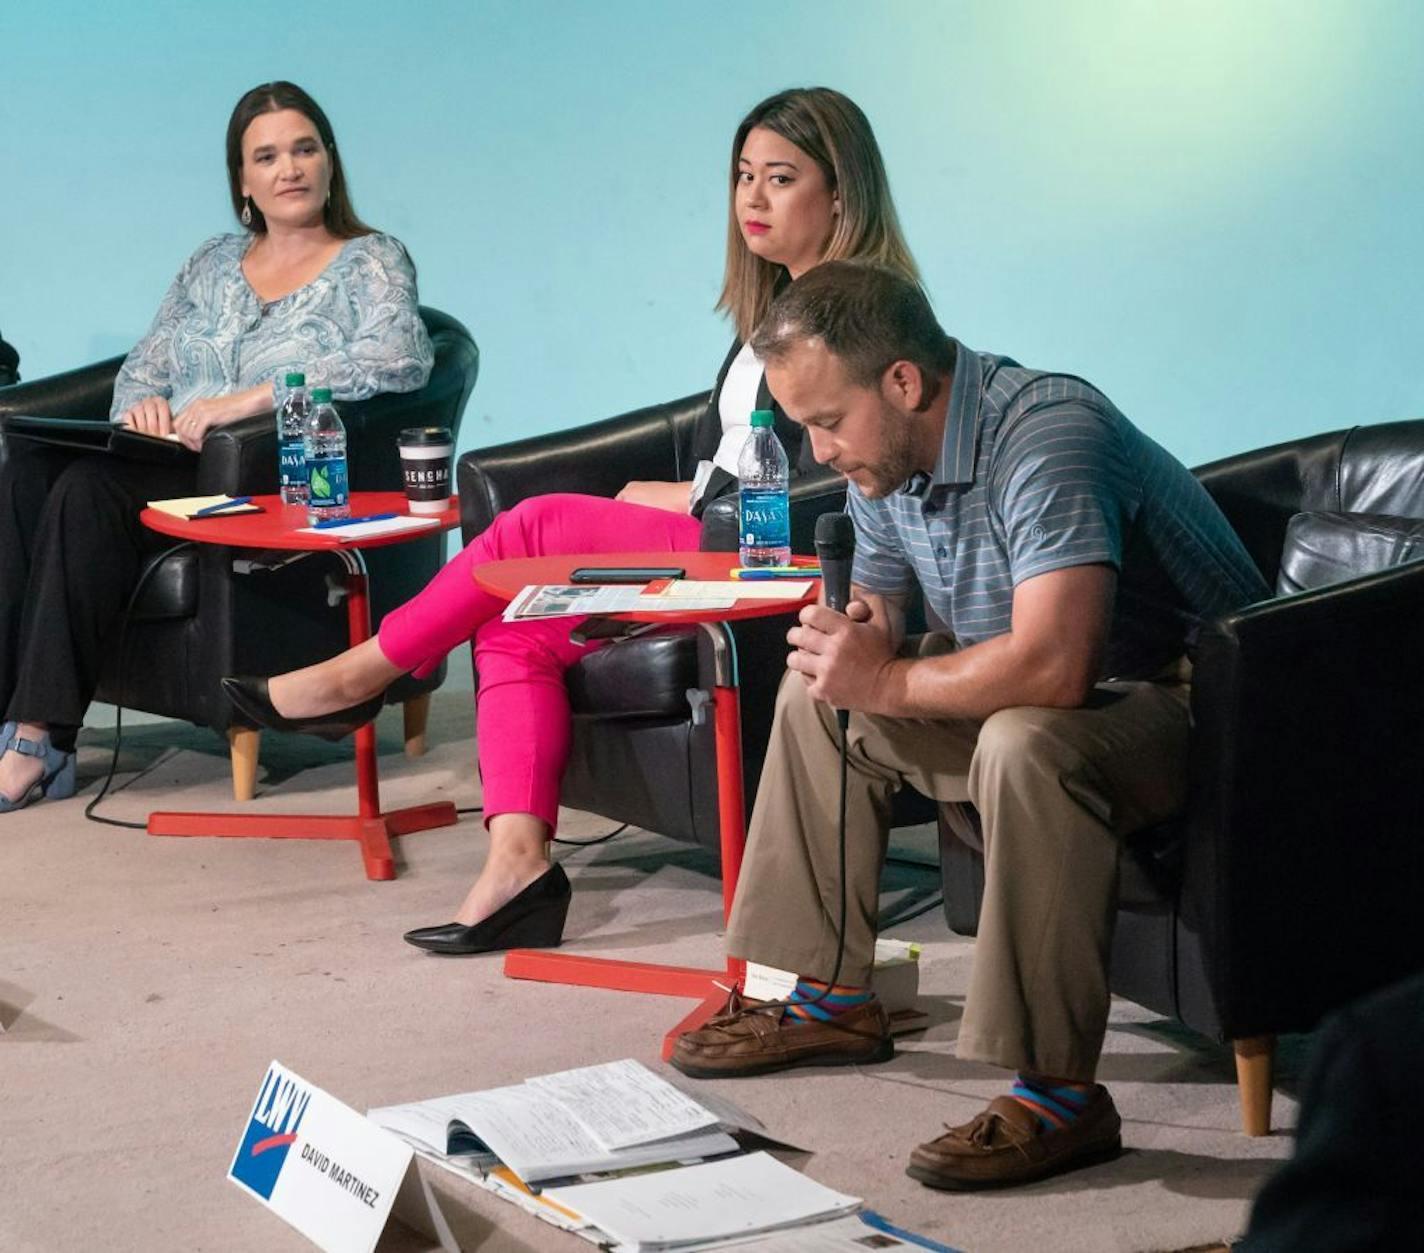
(533,919)
(249,696)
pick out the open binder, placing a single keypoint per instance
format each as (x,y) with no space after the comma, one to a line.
(91,435)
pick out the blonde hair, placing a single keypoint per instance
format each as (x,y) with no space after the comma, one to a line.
(830,129)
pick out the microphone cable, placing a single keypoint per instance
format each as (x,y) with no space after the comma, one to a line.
(842,720)
(835,546)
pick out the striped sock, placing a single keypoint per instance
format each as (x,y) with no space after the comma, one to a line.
(839,999)
(1055,1107)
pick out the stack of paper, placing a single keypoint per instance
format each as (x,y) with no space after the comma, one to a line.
(594,1120)
(204,506)
(611,1153)
(357,529)
(678,1209)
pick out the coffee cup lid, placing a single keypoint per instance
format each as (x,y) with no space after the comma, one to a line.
(426,435)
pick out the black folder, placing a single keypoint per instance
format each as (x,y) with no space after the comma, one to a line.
(89,435)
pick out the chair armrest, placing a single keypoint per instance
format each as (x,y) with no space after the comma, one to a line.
(240,458)
(1304,862)
(84,393)
(811,496)
(595,460)
(373,427)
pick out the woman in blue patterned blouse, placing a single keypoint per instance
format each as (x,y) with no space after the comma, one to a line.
(307,286)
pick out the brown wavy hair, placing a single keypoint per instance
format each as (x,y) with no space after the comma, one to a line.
(830,129)
(339,216)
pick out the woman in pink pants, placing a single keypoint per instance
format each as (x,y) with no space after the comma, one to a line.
(807,185)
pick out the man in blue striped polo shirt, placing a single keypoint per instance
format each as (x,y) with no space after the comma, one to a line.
(1069,559)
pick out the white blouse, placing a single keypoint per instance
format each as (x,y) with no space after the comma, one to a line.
(734,406)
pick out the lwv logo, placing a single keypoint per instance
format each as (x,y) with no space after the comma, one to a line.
(271,1130)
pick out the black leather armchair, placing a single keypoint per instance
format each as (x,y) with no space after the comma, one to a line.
(198,618)
(1292,882)
(9,364)
(643,748)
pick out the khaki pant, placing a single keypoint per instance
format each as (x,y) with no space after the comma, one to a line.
(1055,789)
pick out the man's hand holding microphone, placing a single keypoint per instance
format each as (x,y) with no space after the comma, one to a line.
(844,657)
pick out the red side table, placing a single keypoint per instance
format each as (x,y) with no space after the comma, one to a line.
(280,527)
(505,579)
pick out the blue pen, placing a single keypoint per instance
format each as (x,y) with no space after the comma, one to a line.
(223,504)
(762,576)
(327,524)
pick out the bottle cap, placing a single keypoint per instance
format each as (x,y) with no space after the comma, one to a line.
(762,417)
(321,395)
(296,380)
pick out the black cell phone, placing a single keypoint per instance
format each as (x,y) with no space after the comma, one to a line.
(625,574)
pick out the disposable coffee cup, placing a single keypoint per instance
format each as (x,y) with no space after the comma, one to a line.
(425,453)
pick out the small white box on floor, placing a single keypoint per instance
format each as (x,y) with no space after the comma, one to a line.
(895,980)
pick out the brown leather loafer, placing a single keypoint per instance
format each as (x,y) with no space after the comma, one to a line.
(1004,1146)
(745,1040)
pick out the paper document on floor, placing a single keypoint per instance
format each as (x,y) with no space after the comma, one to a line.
(624,1103)
(542,1133)
(855,1233)
(677,1209)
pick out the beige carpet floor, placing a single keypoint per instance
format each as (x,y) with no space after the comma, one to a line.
(145,984)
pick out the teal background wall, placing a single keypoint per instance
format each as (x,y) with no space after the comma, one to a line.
(1213,210)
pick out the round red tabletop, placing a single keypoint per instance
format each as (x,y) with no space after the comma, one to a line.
(506,579)
(281,526)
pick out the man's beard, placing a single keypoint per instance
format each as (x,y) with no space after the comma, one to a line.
(896,465)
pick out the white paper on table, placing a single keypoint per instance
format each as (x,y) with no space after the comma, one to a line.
(364,530)
(560,600)
(716,1200)
(576,600)
(656,602)
(736,589)
(624,1103)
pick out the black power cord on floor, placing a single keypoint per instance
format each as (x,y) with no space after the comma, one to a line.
(143,579)
(601,839)
(916,912)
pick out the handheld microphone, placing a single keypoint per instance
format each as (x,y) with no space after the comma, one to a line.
(835,547)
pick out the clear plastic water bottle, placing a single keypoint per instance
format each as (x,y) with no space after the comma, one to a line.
(327,494)
(765,530)
(291,441)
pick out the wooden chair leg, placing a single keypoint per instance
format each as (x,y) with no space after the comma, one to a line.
(1254,1058)
(243,744)
(417,714)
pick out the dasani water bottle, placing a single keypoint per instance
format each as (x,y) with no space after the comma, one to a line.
(765,531)
(291,441)
(327,495)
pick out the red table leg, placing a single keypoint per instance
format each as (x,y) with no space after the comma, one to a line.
(709,986)
(369,827)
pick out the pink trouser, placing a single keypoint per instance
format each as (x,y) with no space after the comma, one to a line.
(525,726)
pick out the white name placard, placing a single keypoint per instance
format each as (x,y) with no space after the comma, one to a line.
(318,1164)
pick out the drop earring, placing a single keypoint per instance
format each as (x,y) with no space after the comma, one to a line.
(246,214)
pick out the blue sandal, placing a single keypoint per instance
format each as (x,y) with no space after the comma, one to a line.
(57,781)
(7,733)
